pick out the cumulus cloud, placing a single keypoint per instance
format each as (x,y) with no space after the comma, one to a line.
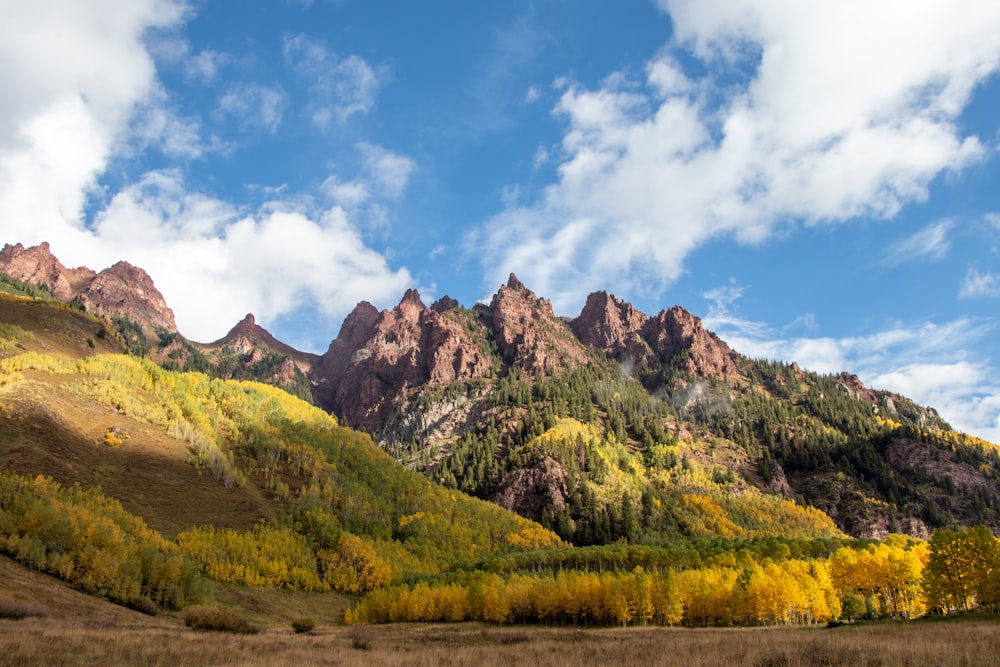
(81,89)
(270,260)
(793,123)
(338,87)
(978,284)
(72,73)
(963,390)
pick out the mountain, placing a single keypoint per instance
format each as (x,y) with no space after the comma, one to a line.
(120,291)
(109,454)
(608,426)
(611,426)
(137,311)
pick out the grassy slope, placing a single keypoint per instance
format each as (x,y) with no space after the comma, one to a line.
(62,405)
(47,429)
(82,630)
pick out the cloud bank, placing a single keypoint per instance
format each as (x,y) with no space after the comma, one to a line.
(81,90)
(745,124)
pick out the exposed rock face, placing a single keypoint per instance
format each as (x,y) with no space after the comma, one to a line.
(614,327)
(248,336)
(122,289)
(38,266)
(673,338)
(528,491)
(528,333)
(127,290)
(378,357)
(681,342)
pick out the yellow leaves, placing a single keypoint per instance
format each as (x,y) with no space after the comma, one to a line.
(113,437)
(410,518)
(577,597)
(355,566)
(265,556)
(533,536)
(703,515)
(90,540)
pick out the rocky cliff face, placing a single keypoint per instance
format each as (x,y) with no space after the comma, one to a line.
(674,338)
(371,369)
(681,342)
(248,337)
(126,290)
(528,334)
(38,266)
(614,327)
(122,289)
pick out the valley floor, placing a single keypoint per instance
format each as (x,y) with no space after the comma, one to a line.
(74,629)
(57,642)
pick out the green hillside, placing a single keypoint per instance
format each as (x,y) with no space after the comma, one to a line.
(255,485)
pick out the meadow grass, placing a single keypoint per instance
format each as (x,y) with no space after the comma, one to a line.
(45,641)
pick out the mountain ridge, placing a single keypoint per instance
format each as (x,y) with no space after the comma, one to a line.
(606,426)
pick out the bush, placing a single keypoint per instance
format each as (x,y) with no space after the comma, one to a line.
(18,609)
(143,605)
(219,619)
(303,625)
(361,636)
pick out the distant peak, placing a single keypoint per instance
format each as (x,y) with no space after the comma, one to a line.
(245,327)
(412,297)
(515,284)
(248,323)
(444,304)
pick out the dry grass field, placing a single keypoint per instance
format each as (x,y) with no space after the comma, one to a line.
(76,629)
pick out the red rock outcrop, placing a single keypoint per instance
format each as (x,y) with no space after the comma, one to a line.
(614,327)
(681,342)
(378,357)
(248,336)
(528,333)
(127,290)
(122,289)
(674,338)
(38,266)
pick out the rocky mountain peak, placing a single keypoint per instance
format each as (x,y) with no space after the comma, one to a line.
(121,290)
(680,340)
(444,304)
(515,284)
(528,333)
(612,326)
(38,266)
(411,299)
(379,357)
(126,290)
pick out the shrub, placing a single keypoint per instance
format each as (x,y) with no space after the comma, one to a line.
(361,636)
(18,609)
(143,605)
(303,625)
(219,619)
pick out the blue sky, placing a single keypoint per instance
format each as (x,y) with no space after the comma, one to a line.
(817,181)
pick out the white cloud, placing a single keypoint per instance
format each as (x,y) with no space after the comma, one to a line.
(963,390)
(71,73)
(268,261)
(338,87)
(808,114)
(80,89)
(256,105)
(204,66)
(978,284)
(389,172)
(931,242)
